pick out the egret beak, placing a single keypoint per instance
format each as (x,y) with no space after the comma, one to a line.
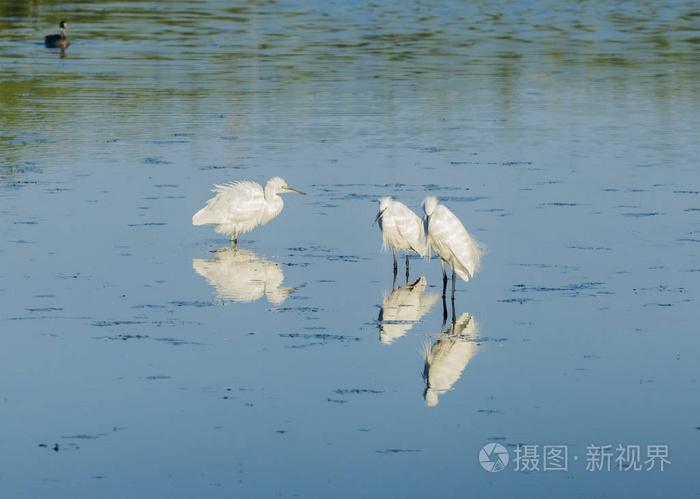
(379,215)
(289,189)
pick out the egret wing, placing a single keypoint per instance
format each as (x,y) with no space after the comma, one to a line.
(236,208)
(410,228)
(452,242)
(239,203)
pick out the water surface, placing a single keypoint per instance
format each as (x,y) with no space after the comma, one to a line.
(141,355)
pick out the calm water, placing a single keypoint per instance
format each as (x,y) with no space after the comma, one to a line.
(142,357)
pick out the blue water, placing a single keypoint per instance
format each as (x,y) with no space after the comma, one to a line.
(143,357)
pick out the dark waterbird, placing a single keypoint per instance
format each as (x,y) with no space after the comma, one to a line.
(58,41)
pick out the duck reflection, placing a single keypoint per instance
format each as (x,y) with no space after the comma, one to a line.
(448,357)
(242,276)
(404,307)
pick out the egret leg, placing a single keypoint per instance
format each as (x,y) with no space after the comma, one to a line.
(406,268)
(453,284)
(393,252)
(453,296)
(444,279)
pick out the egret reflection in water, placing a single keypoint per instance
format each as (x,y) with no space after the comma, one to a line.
(448,357)
(402,308)
(242,276)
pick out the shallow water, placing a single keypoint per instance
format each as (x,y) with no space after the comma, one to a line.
(140,354)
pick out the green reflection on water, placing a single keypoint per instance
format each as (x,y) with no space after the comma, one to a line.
(137,61)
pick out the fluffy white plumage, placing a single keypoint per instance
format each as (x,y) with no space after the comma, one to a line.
(448,238)
(401,229)
(239,207)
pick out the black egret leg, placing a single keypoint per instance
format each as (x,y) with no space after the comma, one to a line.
(444,279)
(453,284)
(406,268)
(393,252)
(453,296)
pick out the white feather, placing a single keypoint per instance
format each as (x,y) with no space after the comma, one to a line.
(401,228)
(448,238)
(239,207)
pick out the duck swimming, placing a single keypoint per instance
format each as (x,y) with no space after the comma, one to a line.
(58,41)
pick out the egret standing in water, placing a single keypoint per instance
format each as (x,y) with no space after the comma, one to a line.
(58,41)
(401,229)
(450,240)
(239,207)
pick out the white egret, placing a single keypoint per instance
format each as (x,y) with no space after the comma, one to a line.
(239,207)
(450,240)
(58,41)
(401,229)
